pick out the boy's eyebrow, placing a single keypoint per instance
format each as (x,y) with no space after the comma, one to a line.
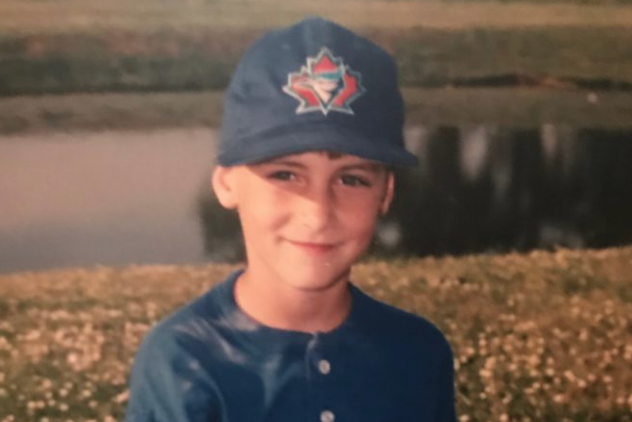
(285,161)
(363,166)
(371,167)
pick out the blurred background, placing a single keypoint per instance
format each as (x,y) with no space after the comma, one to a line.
(520,113)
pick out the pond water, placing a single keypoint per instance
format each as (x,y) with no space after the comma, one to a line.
(116,198)
(107,198)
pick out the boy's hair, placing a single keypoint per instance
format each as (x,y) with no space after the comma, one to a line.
(314,86)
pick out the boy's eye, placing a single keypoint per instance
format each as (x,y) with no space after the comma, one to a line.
(282,175)
(351,180)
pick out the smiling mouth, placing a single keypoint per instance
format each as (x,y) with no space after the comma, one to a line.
(313,247)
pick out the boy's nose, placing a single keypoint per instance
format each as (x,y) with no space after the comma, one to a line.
(316,211)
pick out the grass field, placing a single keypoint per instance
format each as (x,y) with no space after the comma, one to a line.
(97,45)
(541,337)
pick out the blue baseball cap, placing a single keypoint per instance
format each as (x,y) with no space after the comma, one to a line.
(313,86)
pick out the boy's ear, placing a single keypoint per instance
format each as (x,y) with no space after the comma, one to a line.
(388,194)
(223,184)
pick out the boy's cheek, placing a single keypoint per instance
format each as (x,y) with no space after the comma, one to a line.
(262,218)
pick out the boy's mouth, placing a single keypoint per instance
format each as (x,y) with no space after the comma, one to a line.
(313,247)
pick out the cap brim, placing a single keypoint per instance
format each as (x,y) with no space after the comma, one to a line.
(269,146)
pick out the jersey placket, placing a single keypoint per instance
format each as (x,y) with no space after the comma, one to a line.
(318,368)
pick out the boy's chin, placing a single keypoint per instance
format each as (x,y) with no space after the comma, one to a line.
(317,278)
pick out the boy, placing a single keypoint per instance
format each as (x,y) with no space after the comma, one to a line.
(313,120)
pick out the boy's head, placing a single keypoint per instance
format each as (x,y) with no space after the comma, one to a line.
(313,121)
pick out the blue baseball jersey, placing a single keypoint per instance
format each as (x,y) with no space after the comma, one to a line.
(209,362)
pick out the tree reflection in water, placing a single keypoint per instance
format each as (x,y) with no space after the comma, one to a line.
(484,188)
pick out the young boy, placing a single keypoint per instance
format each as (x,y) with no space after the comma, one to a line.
(313,124)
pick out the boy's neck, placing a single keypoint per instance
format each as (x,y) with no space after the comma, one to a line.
(284,307)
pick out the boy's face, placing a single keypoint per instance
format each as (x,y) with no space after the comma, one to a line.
(306,218)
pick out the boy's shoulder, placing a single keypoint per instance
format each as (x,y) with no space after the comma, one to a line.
(171,371)
(195,321)
(399,328)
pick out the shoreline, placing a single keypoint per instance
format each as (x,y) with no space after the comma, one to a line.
(520,107)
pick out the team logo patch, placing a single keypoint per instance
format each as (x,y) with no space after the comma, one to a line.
(324,84)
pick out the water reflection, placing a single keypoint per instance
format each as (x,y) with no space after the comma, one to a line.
(117,198)
(486,188)
(111,198)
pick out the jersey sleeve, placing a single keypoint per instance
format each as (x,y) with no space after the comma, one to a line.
(168,384)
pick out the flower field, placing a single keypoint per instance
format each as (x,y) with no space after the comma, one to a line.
(545,336)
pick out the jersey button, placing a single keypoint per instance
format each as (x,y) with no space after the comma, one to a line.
(324,366)
(327,416)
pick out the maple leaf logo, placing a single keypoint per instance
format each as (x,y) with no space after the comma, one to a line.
(324,84)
